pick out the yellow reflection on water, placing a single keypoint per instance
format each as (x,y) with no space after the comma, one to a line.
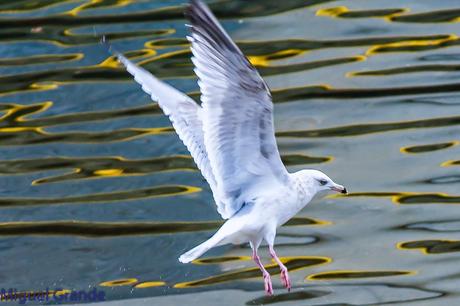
(355,274)
(99,167)
(219,260)
(19,129)
(450,15)
(366,194)
(104,229)
(264,60)
(450,163)
(43,86)
(345,12)
(433,246)
(119,282)
(258,60)
(149,284)
(61,292)
(39,86)
(428,147)
(112,61)
(115,196)
(332,11)
(408,198)
(300,221)
(410,45)
(18,112)
(108,172)
(91,3)
(292,263)
(31,131)
(38,135)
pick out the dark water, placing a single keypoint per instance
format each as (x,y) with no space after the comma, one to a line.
(96,191)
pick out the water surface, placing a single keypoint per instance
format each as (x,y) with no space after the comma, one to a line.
(97,191)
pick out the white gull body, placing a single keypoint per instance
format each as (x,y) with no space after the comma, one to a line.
(231,139)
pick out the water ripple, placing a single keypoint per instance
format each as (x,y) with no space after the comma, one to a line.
(371,128)
(345,12)
(111,166)
(292,263)
(431,246)
(449,15)
(410,198)
(224,9)
(331,275)
(112,229)
(429,147)
(125,195)
(60,127)
(345,294)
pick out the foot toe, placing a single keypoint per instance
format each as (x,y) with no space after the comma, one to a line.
(268,285)
(285,279)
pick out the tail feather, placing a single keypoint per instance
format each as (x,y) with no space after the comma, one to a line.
(198,250)
(223,236)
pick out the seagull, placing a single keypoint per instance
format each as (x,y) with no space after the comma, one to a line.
(232,141)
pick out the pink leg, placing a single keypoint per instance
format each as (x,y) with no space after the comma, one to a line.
(284,270)
(267,279)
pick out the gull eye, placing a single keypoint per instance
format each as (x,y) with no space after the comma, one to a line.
(322,182)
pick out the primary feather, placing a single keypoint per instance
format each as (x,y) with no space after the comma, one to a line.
(238,113)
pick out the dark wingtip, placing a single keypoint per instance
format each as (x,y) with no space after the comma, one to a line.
(106,43)
(191,10)
(190,7)
(195,2)
(196,11)
(205,24)
(345,191)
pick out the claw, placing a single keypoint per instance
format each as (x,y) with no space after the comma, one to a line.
(267,278)
(285,279)
(284,271)
(268,284)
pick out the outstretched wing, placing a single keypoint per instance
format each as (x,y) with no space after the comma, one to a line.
(238,113)
(181,110)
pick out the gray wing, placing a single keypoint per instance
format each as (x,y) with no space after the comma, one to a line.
(238,113)
(182,111)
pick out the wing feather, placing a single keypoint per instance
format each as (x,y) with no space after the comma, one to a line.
(183,112)
(238,113)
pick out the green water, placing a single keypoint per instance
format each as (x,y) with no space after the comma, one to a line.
(97,191)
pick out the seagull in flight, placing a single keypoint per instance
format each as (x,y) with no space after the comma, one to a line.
(232,141)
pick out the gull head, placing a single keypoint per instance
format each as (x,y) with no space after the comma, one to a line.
(320,181)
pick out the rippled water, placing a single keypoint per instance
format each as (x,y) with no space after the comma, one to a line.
(97,191)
